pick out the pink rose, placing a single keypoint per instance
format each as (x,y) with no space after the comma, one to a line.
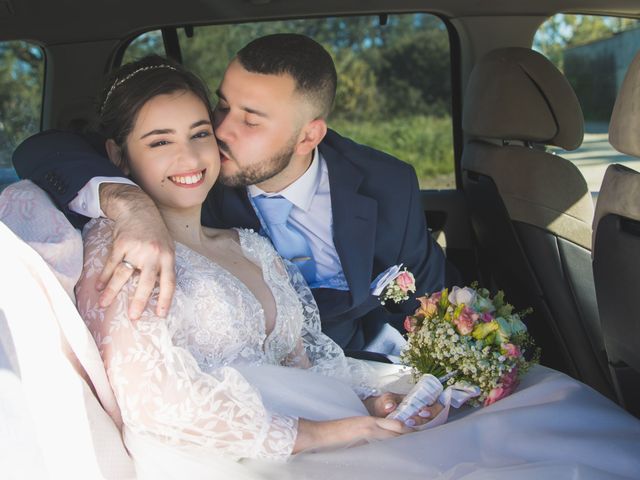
(406,282)
(511,350)
(466,321)
(510,379)
(508,384)
(487,317)
(409,323)
(496,394)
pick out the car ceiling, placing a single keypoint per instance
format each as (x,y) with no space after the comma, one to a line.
(68,21)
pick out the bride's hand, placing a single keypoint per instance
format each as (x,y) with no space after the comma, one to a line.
(312,434)
(384,404)
(141,238)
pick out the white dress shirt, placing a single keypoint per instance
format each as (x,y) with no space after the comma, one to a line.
(87,202)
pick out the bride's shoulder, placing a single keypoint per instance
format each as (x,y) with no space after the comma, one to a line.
(254,242)
(97,228)
(97,236)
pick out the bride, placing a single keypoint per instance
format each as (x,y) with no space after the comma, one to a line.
(178,380)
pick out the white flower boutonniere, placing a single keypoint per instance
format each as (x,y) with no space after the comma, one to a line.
(395,284)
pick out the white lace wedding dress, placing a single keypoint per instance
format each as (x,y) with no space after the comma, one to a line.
(177,380)
(209,393)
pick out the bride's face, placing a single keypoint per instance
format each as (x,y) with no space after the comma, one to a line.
(172,152)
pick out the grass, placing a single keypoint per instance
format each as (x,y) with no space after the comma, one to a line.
(423,141)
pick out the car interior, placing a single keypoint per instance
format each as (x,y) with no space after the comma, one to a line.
(519,216)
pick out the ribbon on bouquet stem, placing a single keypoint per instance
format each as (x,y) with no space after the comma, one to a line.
(427,391)
(454,396)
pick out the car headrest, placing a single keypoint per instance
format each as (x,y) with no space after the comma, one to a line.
(625,119)
(619,195)
(517,94)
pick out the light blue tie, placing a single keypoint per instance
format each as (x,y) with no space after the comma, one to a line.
(289,242)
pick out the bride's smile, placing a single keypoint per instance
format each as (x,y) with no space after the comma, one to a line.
(188,180)
(171,151)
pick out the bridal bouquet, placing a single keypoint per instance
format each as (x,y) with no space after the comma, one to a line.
(471,338)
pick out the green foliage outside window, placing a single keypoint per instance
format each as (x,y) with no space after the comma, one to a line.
(591,51)
(21,80)
(562,32)
(394,86)
(394,79)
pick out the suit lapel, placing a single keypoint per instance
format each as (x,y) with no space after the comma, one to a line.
(354,222)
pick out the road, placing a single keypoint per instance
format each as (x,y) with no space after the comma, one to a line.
(595,155)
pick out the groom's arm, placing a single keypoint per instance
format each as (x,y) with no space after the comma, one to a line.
(63,164)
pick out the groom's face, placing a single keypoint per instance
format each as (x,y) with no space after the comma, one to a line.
(257,121)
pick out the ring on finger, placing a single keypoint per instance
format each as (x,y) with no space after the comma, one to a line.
(129,265)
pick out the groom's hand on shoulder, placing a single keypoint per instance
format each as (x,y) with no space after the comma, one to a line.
(141,244)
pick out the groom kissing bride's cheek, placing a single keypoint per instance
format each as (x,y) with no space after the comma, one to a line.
(341,212)
(229,242)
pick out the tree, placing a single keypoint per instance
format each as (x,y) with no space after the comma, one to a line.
(21,82)
(561,32)
(414,74)
(357,97)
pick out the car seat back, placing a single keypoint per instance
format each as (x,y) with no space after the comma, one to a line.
(531,210)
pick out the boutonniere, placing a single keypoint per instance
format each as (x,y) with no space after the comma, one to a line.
(395,284)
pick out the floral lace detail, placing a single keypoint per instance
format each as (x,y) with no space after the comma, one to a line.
(286,332)
(325,356)
(298,334)
(174,378)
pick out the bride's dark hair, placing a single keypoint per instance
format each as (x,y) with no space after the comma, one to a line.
(132,85)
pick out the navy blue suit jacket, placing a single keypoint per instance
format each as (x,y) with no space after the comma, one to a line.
(378,219)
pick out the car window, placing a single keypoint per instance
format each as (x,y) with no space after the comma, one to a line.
(580,46)
(394,85)
(21,85)
(145,44)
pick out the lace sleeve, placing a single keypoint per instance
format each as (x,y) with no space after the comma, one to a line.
(323,354)
(160,388)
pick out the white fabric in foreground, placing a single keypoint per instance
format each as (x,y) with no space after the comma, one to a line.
(74,436)
(551,427)
(31,215)
(20,456)
(29,212)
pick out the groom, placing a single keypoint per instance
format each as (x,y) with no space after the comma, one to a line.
(342,212)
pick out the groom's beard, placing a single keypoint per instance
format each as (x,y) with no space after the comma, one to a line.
(259,171)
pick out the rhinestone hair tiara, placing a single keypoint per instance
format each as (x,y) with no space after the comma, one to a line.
(119,82)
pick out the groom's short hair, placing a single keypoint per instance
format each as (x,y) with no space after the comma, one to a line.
(299,56)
